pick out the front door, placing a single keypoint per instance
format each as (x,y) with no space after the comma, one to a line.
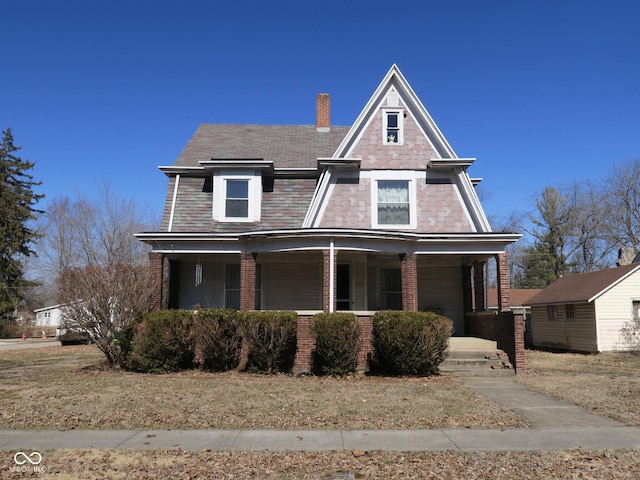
(343,287)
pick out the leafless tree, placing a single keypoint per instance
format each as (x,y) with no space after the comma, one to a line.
(622,205)
(100,268)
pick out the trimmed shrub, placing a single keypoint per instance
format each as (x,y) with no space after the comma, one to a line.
(270,339)
(409,343)
(163,342)
(218,340)
(337,343)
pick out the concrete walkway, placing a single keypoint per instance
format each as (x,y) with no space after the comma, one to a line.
(557,426)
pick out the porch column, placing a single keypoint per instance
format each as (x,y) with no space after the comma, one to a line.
(156,264)
(328,303)
(247,281)
(467,289)
(478,286)
(409,275)
(502,264)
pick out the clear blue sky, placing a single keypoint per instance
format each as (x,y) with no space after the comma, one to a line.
(540,92)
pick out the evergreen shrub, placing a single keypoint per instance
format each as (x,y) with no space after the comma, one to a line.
(409,343)
(337,343)
(218,340)
(271,340)
(163,342)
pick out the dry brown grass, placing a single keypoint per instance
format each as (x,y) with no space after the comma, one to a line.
(607,384)
(171,464)
(60,388)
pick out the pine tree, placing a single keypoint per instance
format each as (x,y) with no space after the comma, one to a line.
(17,211)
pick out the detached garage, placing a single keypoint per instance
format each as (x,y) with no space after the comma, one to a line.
(588,312)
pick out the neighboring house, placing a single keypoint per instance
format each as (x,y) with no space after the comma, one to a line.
(518,299)
(518,302)
(50,316)
(379,215)
(587,312)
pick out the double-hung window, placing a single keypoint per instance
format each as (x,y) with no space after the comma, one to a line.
(237,198)
(393,202)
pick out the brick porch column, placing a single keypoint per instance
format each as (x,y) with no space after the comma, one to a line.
(409,275)
(247,281)
(156,264)
(478,286)
(502,264)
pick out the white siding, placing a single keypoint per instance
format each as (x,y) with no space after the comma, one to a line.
(578,334)
(50,317)
(614,312)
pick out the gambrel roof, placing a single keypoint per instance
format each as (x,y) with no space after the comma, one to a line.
(583,287)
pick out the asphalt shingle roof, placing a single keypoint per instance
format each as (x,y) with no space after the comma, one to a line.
(581,287)
(287,146)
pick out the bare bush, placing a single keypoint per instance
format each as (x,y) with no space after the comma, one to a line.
(103,300)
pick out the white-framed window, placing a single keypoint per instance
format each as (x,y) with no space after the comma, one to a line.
(393,200)
(393,123)
(236,202)
(236,197)
(635,305)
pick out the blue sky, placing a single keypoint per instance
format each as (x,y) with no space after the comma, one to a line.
(540,92)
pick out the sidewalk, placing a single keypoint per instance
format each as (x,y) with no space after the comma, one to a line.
(557,426)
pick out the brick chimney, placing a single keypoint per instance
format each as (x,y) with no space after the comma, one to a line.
(322,112)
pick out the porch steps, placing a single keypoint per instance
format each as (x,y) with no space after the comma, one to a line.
(475,357)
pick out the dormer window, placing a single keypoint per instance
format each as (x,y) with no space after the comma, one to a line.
(392,131)
(237,199)
(236,196)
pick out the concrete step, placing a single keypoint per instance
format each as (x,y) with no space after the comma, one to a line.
(475,357)
(471,343)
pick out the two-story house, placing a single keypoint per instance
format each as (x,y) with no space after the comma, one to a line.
(379,215)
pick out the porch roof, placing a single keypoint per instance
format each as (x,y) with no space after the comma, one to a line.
(488,243)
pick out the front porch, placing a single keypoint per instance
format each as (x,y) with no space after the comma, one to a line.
(329,280)
(339,270)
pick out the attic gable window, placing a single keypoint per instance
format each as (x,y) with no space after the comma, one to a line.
(393,123)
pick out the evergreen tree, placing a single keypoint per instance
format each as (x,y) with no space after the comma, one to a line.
(17,210)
